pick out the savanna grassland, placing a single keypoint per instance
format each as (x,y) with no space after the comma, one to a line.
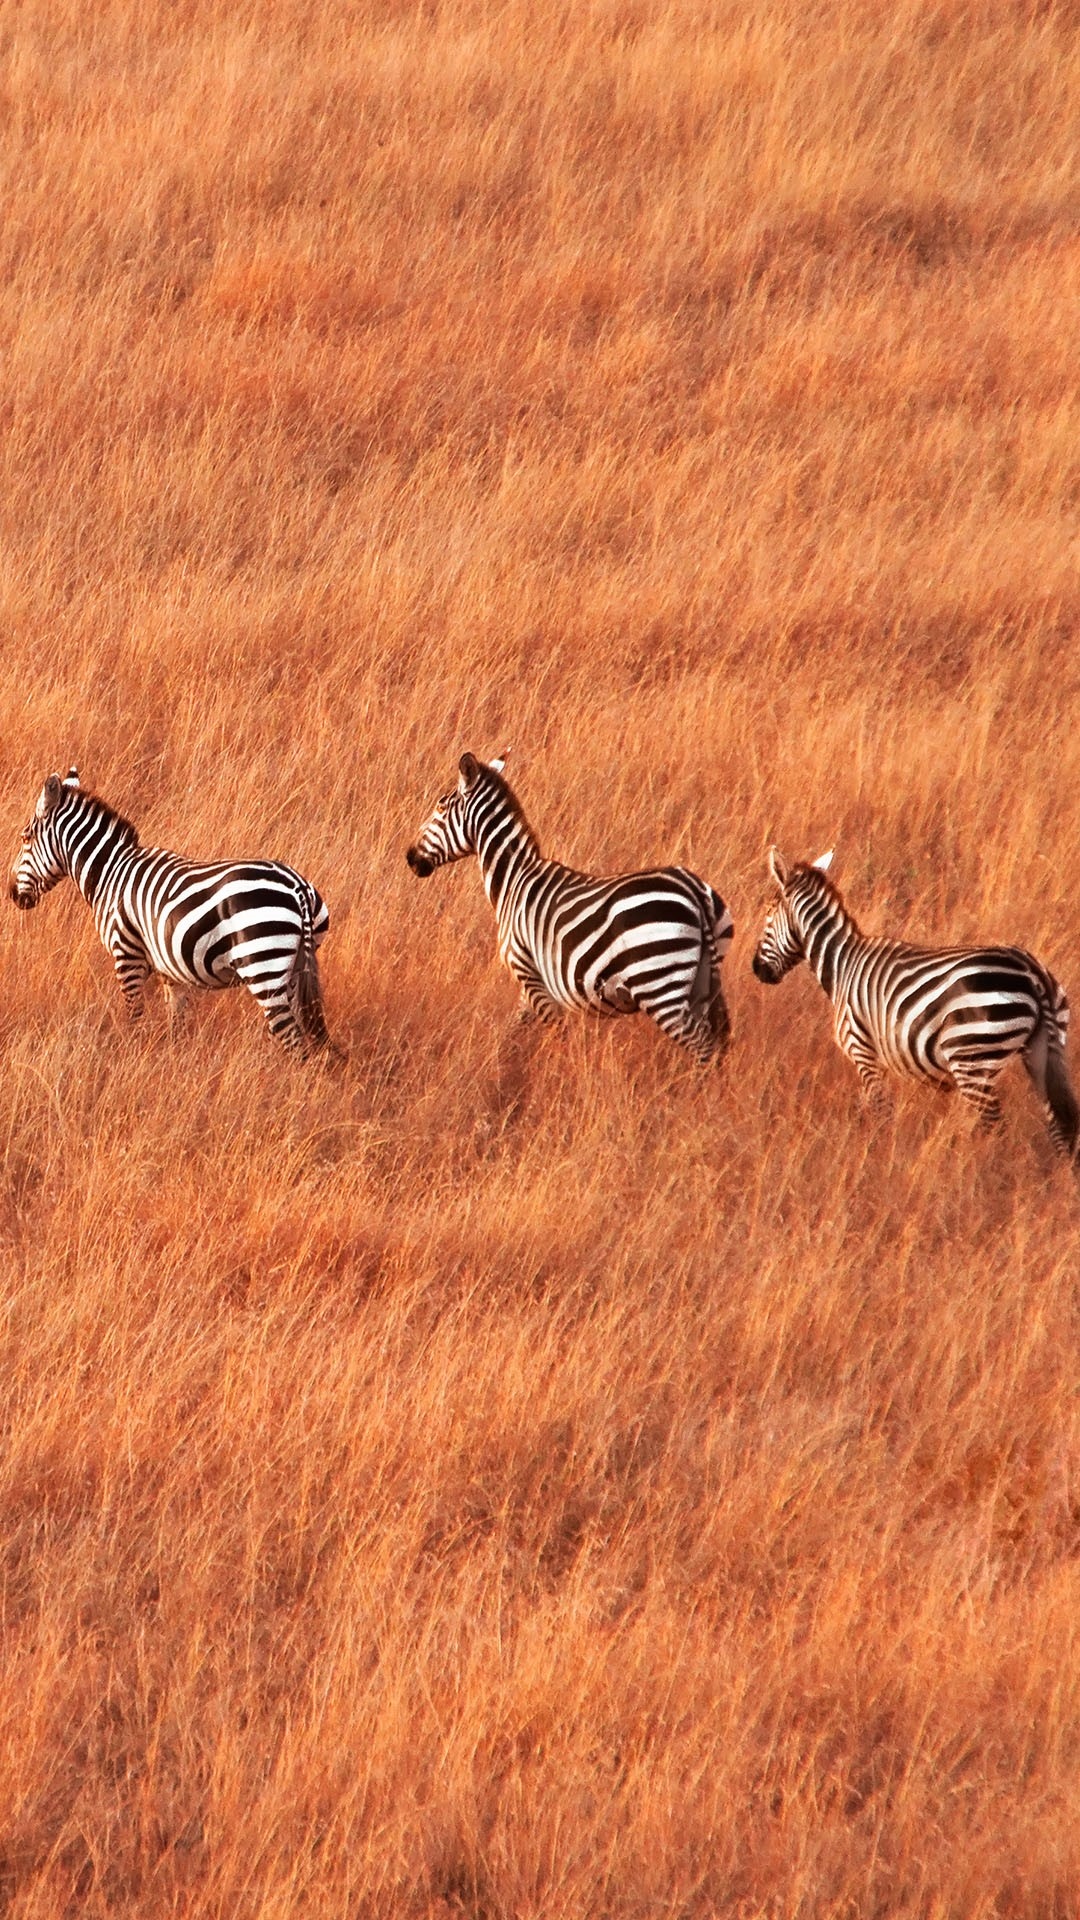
(515,1475)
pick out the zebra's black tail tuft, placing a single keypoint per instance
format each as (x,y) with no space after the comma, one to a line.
(719,1018)
(721,933)
(1061,1099)
(305,986)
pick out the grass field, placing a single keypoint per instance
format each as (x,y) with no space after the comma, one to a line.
(521,1476)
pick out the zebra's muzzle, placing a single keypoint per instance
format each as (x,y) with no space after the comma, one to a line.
(764,970)
(419,862)
(22,899)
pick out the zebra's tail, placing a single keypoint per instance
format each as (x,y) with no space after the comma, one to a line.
(1060,1098)
(305,986)
(721,928)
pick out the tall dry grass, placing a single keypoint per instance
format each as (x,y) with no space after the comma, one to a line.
(505,1478)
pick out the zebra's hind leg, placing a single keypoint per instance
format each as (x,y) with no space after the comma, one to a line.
(688,1026)
(695,1017)
(275,999)
(977,1088)
(707,1002)
(719,1020)
(291,1005)
(317,1035)
(304,989)
(281,1021)
(703,1024)
(307,1005)
(177,1005)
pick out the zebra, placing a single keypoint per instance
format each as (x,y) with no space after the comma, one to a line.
(953,1015)
(254,923)
(648,942)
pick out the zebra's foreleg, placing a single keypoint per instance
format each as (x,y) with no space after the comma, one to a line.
(133,969)
(536,1001)
(872,1079)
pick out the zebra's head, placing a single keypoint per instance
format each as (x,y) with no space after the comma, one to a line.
(42,858)
(450,832)
(782,946)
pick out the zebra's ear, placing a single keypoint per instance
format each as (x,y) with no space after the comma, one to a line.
(824,861)
(469,768)
(778,866)
(50,796)
(72,777)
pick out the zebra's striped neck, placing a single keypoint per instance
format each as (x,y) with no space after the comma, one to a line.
(828,933)
(505,843)
(93,841)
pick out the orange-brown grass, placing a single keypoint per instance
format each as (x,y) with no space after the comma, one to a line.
(526,1476)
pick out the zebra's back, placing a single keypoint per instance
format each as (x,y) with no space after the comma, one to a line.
(202,921)
(591,937)
(929,1008)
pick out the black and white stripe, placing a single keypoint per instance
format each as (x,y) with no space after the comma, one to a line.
(952,1015)
(643,943)
(253,923)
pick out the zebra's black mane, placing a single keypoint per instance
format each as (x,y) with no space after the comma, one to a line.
(806,870)
(117,821)
(824,886)
(500,781)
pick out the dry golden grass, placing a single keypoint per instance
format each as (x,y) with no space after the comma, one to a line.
(518,1478)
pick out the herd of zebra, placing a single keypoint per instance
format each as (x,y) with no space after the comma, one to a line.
(650,942)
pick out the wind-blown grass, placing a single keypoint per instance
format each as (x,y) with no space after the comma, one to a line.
(511,1475)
